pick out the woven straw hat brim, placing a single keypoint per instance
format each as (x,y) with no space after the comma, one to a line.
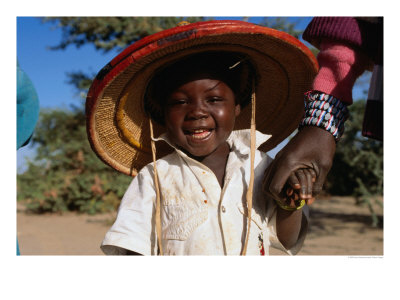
(118,127)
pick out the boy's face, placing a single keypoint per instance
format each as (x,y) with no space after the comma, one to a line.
(200,115)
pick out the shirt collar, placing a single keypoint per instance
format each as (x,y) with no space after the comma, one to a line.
(239,140)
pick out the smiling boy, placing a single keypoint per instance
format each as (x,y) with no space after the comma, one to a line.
(200,112)
(197,99)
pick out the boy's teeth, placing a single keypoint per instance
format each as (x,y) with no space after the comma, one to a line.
(200,133)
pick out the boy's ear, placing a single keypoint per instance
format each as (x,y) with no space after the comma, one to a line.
(237,110)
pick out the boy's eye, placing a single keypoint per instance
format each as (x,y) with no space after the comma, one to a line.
(176,101)
(214,99)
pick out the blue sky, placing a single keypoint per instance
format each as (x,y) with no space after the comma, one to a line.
(48,68)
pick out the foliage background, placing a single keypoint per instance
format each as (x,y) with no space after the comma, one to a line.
(65,174)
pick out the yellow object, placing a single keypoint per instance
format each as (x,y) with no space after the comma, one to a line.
(121,125)
(183,23)
(290,208)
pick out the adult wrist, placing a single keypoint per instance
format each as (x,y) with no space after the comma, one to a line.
(324,111)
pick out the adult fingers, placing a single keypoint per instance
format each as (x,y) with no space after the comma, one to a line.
(303,182)
(294,181)
(275,178)
(319,181)
(313,174)
(309,182)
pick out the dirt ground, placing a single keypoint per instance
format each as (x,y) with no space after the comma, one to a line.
(337,227)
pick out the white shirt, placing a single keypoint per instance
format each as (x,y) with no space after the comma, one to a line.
(198,217)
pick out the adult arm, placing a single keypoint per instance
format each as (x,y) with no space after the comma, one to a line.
(345,55)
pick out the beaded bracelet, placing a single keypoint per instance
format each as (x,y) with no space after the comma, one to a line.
(290,208)
(324,111)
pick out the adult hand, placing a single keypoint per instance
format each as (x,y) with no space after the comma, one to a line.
(311,148)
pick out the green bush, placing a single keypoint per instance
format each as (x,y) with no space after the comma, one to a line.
(358,164)
(357,168)
(65,174)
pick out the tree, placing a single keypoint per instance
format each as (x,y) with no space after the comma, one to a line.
(111,33)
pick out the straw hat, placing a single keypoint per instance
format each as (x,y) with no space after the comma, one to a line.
(118,126)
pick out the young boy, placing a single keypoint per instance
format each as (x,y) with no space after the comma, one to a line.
(198,98)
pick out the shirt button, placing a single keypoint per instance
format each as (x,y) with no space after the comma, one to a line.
(223,209)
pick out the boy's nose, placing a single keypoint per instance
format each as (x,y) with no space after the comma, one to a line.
(197,111)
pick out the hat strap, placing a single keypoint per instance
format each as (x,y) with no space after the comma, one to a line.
(249,194)
(156,183)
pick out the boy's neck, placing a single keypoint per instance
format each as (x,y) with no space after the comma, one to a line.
(216,162)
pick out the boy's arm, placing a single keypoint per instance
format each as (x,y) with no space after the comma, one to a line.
(286,230)
(289,222)
(288,225)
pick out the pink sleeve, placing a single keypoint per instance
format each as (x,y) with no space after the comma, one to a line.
(340,66)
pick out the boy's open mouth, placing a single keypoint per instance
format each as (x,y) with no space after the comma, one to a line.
(199,134)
